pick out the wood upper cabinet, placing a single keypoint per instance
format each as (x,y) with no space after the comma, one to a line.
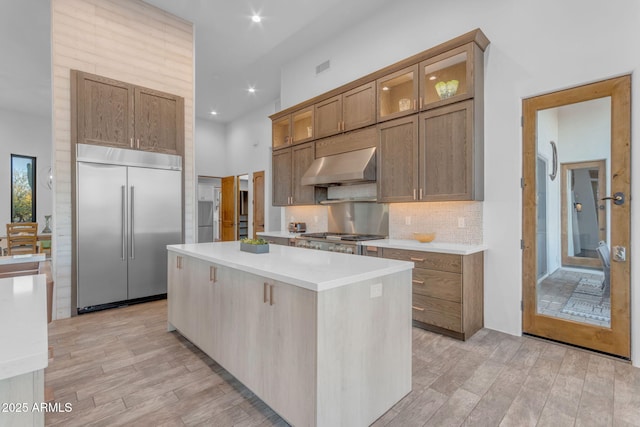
(282,171)
(452,76)
(293,128)
(159,121)
(451,156)
(289,165)
(397,167)
(398,93)
(103,111)
(117,114)
(347,111)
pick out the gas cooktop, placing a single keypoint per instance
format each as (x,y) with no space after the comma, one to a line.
(348,237)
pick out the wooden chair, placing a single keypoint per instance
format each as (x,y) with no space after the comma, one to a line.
(22,238)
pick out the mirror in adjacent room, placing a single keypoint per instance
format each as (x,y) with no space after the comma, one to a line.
(576,160)
(242,208)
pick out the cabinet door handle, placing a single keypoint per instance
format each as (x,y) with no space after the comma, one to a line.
(414,194)
(421,194)
(418,282)
(131,142)
(271,302)
(138,143)
(213,274)
(179,262)
(421,103)
(265,292)
(417,259)
(417,308)
(415,104)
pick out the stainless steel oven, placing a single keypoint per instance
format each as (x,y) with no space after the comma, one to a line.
(349,243)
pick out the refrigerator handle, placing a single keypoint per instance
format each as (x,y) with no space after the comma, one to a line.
(133,244)
(124,230)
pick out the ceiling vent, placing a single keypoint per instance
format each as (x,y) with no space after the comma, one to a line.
(323,67)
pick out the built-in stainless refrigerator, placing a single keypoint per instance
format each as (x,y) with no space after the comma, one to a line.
(128,209)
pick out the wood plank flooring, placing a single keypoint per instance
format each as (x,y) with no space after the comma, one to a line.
(121,367)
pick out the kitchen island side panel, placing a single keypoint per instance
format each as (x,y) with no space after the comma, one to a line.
(364,349)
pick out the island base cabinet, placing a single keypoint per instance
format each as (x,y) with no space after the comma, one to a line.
(23,392)
(341,356)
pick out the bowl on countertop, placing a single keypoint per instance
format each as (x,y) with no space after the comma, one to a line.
(424,237)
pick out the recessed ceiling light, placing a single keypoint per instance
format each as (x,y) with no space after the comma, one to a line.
(214,113)
(252,89)
(256,18)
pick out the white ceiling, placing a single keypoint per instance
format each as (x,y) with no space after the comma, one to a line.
(232,52)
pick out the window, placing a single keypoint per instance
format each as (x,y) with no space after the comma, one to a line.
(23,188)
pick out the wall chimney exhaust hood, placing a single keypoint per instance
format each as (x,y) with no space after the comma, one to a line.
(354,167)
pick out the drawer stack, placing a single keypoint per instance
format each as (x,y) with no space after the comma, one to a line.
(447,291)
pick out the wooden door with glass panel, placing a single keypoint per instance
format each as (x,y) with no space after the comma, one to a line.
(576,216)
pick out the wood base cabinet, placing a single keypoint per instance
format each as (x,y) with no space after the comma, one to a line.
(448,291)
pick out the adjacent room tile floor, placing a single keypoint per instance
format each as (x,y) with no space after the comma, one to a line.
(121,367)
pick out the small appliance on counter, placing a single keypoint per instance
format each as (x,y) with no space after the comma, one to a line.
(297,227)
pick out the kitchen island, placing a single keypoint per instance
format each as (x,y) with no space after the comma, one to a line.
(24,349)
(323,338)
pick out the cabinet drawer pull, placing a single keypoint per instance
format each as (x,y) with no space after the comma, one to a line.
(417,259)
(179,262)
(265,292)
(418,282)
(271,295)
(417,308)
(212,274)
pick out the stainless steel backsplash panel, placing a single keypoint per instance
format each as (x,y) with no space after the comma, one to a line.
(359,217)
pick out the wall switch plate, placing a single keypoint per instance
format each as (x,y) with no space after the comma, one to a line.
(407,220)
(461,222)
(376,290)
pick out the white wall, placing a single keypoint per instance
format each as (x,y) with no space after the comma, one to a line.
(210,148)
(248,147)
(26,135)
(537,46)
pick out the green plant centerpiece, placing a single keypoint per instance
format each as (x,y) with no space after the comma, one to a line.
(256,246)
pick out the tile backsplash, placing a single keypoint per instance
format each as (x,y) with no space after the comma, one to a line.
(453,222)
(316,217)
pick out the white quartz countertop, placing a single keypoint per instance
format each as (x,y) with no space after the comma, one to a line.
(282,234)
(310,269)
(23,325)
(414,245)
(17,259)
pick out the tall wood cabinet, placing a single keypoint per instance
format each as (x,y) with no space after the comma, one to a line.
(117,114)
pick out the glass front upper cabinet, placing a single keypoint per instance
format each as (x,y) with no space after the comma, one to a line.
(281,130)
(447,78)
(398,93)
(302,125)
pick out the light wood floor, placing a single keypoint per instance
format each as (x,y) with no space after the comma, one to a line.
(121,367)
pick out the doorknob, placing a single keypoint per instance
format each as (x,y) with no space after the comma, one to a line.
(618,198)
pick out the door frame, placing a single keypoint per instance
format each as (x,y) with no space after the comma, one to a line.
(258,202)
(615,340)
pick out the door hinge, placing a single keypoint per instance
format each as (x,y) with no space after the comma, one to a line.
(521,244)
(521,182)
(521,306)
(521,121)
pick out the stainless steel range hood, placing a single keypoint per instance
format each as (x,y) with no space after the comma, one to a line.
(353,167)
